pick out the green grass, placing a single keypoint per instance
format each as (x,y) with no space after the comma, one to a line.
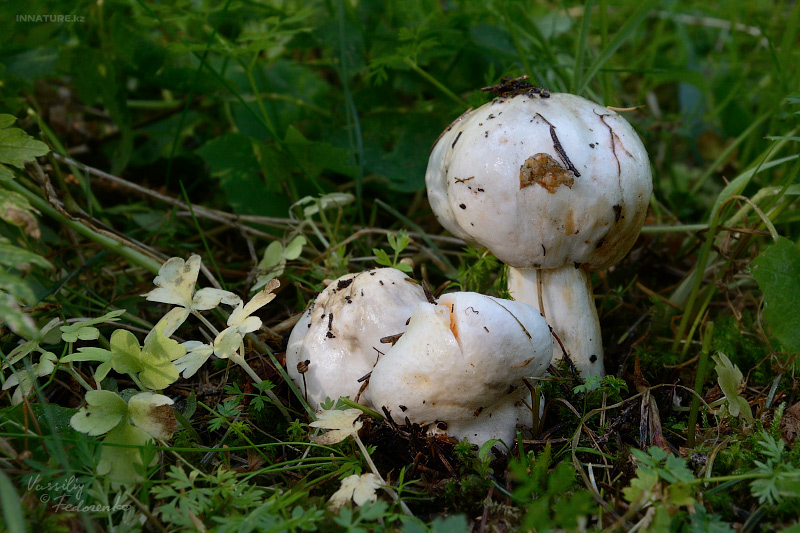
(218,129)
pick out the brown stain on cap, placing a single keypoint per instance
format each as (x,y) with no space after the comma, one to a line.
(569,222)
(544,170)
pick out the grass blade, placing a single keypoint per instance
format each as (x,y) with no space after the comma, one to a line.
(9,503)
(580,53)
(624,33)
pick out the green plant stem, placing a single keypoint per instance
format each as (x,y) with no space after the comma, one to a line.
(436,83)
(260,346)
(702,365)
(674,229)
(365,409)
(733,188)
(375,471)
(731,477)
(132,256)
(71,371)
(205,322)
(239,360)
(712,289)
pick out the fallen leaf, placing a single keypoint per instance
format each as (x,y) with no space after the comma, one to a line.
(790,423)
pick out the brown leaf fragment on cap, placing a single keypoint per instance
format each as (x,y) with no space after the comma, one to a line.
(544,170)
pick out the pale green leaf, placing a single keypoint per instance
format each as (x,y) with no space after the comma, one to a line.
(159,373)
(294,248)
(79,331)
(159,346)
(119,463)
(209,298)
(272,256)
(240,317)
(104,411)
(729,377)
(173,320)
(360,489)
(102,371)
(641,486)
(127,353)
(227,343)
(323,203)
(382,258)
(83,329)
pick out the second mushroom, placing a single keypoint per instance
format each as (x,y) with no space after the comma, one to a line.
(556,187)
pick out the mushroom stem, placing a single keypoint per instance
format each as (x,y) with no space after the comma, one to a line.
(566,295)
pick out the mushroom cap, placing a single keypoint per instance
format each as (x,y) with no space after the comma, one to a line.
(339,334)
(498,178)
(462,361)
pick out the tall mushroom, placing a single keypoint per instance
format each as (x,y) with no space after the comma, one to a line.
(337,340)
(555,186)
(459,367)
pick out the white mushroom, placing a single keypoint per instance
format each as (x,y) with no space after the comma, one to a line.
(337,340)
(460,364)
(555,186)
